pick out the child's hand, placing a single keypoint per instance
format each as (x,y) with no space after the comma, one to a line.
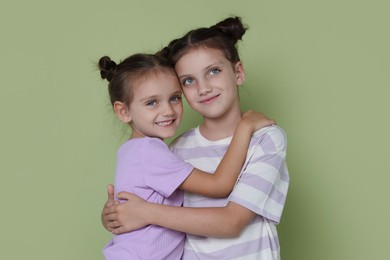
(109,204)
(256,120)
(128,215)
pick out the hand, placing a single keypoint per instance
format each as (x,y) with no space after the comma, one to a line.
(256,120)
(126,216)
(109,204)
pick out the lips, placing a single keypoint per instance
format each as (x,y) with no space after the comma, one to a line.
(209,99)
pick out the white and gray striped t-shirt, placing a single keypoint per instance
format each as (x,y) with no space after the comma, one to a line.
(262,188)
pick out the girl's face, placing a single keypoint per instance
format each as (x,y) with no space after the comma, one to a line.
(209,81)
(157,107)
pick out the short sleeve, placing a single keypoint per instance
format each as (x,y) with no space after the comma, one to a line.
(163,171)
(263,184)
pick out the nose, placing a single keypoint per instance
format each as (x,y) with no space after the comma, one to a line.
(204,87)
(168,111)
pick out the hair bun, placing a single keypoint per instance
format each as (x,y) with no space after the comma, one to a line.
(163,53)
(232,27)
(107,68)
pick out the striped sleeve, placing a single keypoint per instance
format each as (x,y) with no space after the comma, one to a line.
(263,184)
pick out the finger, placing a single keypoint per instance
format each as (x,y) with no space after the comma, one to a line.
(118,230)
(110,217)
(110,192)
(125,195)
(113,225)
(109,209)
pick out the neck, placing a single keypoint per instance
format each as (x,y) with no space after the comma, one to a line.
(222,127)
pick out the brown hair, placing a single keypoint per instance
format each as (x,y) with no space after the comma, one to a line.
(123,76)
(222,36)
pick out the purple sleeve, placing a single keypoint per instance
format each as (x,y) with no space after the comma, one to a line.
(163,171)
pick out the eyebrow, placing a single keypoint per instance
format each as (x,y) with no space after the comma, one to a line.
(178,92)
(218,63)
(148,98)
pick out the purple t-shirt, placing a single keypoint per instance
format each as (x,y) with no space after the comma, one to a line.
(146,167)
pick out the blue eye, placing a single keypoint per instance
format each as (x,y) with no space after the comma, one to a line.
(151,102)
(214,71)
(176,99)
(187,81)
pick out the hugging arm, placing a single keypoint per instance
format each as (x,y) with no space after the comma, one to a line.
(226,221)
(221,183)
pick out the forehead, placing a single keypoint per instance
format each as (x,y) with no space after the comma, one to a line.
(199,58)
(157,83)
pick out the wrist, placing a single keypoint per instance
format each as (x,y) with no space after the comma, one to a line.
(149,214)
(245,127)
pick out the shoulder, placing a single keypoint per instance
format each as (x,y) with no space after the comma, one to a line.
(184,138)
(271,137)
(154,143)
(143,146)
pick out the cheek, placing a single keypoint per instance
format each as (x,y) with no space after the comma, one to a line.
(189,95)
(178,108)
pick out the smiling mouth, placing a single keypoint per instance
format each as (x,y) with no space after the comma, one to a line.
(165,123)
(209,100)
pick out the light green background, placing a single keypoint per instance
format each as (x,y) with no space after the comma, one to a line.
(320,68)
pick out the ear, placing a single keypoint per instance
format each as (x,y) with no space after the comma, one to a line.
(122,111)
(240,73)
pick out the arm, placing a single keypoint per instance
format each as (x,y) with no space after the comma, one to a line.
(221,183)
(220,222)
(226,221)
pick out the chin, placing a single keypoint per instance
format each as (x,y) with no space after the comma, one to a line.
(213,115)
(169,135)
